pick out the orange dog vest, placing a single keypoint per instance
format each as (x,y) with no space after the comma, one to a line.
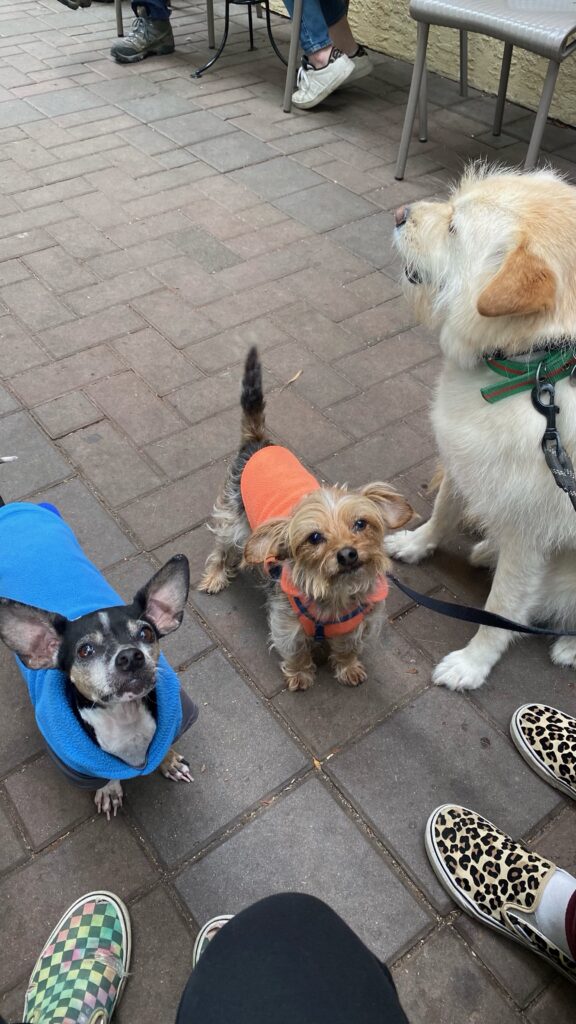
(273,482)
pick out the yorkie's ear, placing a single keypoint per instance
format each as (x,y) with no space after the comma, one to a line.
(268,541)
(394,509)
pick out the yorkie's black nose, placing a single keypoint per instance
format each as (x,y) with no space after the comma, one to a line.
(129,659)
(347,557)
(401,215)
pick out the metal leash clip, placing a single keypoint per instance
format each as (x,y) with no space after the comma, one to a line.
(557,458)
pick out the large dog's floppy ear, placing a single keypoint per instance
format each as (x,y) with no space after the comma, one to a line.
(163,598)
(32,633)
(523,286)
(394,508)
(270,540)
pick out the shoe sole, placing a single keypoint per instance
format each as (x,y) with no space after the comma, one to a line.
(357,75)
(160,51)
(126,928)
(525,751)
(308,105)
(468,906)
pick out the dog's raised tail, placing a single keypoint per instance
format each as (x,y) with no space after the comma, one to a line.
(252,399)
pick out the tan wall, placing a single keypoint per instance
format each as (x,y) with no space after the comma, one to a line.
(385,25)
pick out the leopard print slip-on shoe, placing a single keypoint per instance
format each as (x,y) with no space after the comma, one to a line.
(546,739)
(492,877)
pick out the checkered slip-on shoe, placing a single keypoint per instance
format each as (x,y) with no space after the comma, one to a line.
(546,738)
(492,877)
(206,934)
(81,971)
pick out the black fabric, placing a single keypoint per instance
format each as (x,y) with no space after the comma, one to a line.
(289,959)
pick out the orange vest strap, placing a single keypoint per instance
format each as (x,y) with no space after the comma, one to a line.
(309,616)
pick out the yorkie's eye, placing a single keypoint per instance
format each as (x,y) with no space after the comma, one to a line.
(315,538)
(146,634)
(86,651)
(359,525)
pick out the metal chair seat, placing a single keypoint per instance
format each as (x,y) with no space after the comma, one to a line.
(544,27)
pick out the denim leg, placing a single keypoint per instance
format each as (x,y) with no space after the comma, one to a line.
(314,29)
(157,9)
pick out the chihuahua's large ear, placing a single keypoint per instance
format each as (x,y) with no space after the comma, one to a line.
(33,634)
(268,541)
(523,286)
(163,598)
(394,508)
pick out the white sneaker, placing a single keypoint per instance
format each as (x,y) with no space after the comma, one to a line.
(362,64)
(314,84)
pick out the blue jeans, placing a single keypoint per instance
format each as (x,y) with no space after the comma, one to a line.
(317,17)
(157,9)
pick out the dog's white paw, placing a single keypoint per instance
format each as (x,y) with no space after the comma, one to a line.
(409,545)
(460,670)
(109,798)
(176,768)
(483,555)
(563,651)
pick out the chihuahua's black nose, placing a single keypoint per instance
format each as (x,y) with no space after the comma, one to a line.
(347,557)
(129,659)
(401,215)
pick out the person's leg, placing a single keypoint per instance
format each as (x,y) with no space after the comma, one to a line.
(289,958)
(150,35)
(157,10)
(314,35)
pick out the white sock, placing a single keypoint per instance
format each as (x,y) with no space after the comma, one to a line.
(550,917)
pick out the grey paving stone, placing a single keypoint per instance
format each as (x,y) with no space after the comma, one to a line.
(16,112)
(230,346)
(162,950)
(556,1004)
(206,396)
(174,508)
(318,383)
(18,352)
(64,101)
(174,319)
(442,750)
(376,407)
(373,901)
(234,767)
(38,465)
(190,639)
(196,126)
(12,849)
(162,105)
(113,466)
(325,206)
(210,253)
(41,384)
(19,737)
(7,402)
(441,982)
(195,544)
(302,427)
(521,974)
(379,457)
(34,304)
(276,178)
(97,531)
(328,715)
(190,449)
(99,855)
(230,152)
(46,802)
(126,399)
(70,412)
(157,361)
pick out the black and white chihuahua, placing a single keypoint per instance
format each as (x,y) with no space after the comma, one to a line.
(110,660)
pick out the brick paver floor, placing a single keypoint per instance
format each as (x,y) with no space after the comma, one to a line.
(152,228)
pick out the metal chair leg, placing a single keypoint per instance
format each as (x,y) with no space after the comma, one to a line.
(463,63)
(293,55)
(542,115)
(413,98)
(270,36)
(210,21)
(119,21)
(250,26)
(423,108)
(259,13)
(200,71)
(502,88)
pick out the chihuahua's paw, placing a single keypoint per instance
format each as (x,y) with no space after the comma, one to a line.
(461,670)
(410,545)
(109,798)
(175,767)
(351,675)
(215,580)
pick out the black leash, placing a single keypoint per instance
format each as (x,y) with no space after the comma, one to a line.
(477,615)
(557,458)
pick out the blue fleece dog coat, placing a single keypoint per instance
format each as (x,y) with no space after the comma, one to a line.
(42,564)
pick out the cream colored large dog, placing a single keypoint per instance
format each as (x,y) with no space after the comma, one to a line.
(495,266)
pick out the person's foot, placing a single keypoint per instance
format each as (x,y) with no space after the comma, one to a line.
(73,5)
(362,64)
(208,932)
(546,739)
(500,883)
(82,969)
(147,38)
(314,84)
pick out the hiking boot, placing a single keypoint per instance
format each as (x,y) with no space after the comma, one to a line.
(147,38)
(314,84)
(73,5)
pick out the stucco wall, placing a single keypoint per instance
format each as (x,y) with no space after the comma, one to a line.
(385,25)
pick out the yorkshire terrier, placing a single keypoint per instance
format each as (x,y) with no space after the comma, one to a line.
(320,549)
